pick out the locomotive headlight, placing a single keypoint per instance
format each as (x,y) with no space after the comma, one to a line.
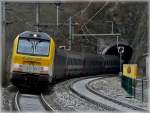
(44,70)
(16,67)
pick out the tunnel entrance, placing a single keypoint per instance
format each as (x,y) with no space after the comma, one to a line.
(112,50)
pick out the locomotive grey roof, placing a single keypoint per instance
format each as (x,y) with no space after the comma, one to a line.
(30,34)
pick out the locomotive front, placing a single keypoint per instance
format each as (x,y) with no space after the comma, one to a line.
(32,59)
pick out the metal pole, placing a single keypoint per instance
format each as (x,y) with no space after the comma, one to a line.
(117,41)
(120,63)
(112,27)
(134,89)
(57,15)
(72,37)
(96,34)
(2,41)
(142,90)
(1,73)
(37,16)
(120,51)
(58,3)
(70,31)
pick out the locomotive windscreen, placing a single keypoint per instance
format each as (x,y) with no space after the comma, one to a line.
(32,46)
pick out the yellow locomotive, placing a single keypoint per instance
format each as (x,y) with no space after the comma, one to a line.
(32,59)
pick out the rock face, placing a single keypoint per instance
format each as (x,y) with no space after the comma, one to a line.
(140,43)
(131,21)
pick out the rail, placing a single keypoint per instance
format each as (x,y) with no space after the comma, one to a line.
(29,102)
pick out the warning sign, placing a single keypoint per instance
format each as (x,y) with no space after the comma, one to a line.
(130,70)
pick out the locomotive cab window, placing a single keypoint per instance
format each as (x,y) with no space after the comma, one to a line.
(31,46)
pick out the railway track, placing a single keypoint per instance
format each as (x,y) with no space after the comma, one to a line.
(66,100)
(111,104)
(29,102)
(24,102)
(100,104)
(113,100)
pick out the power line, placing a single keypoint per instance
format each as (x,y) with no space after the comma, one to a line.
(88,31)
(78,12)
(84,33)
(23,20)
(100,10)
(84,10)
(87,38)
(27,23)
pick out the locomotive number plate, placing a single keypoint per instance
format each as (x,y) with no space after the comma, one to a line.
(31,69)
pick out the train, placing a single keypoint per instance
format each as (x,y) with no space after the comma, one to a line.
(36,62)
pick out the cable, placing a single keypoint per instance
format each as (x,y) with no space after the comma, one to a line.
(23,20)
(87,38)
(100,10)
(79,12)
(88,31)
(27,23)
(84,10)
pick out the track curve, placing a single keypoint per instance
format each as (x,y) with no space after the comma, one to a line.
(111,99)
(80,88)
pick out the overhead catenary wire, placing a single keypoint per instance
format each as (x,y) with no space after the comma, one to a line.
(88,30)
(81,11)
(27,23)
(87,38)
(84,24)
(100,10)
(84,10)
(78,12)
(22,19)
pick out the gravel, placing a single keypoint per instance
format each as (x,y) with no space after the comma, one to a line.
(7,97)
(111,87)
(62,99)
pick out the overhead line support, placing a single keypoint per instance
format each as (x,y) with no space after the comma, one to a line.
(116,34)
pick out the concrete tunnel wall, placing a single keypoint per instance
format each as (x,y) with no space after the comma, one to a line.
(112,50)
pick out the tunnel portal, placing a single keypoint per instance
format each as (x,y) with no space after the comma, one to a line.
(112,50)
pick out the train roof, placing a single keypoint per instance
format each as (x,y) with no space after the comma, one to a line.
(75,54)
(105,57)
(38,35)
